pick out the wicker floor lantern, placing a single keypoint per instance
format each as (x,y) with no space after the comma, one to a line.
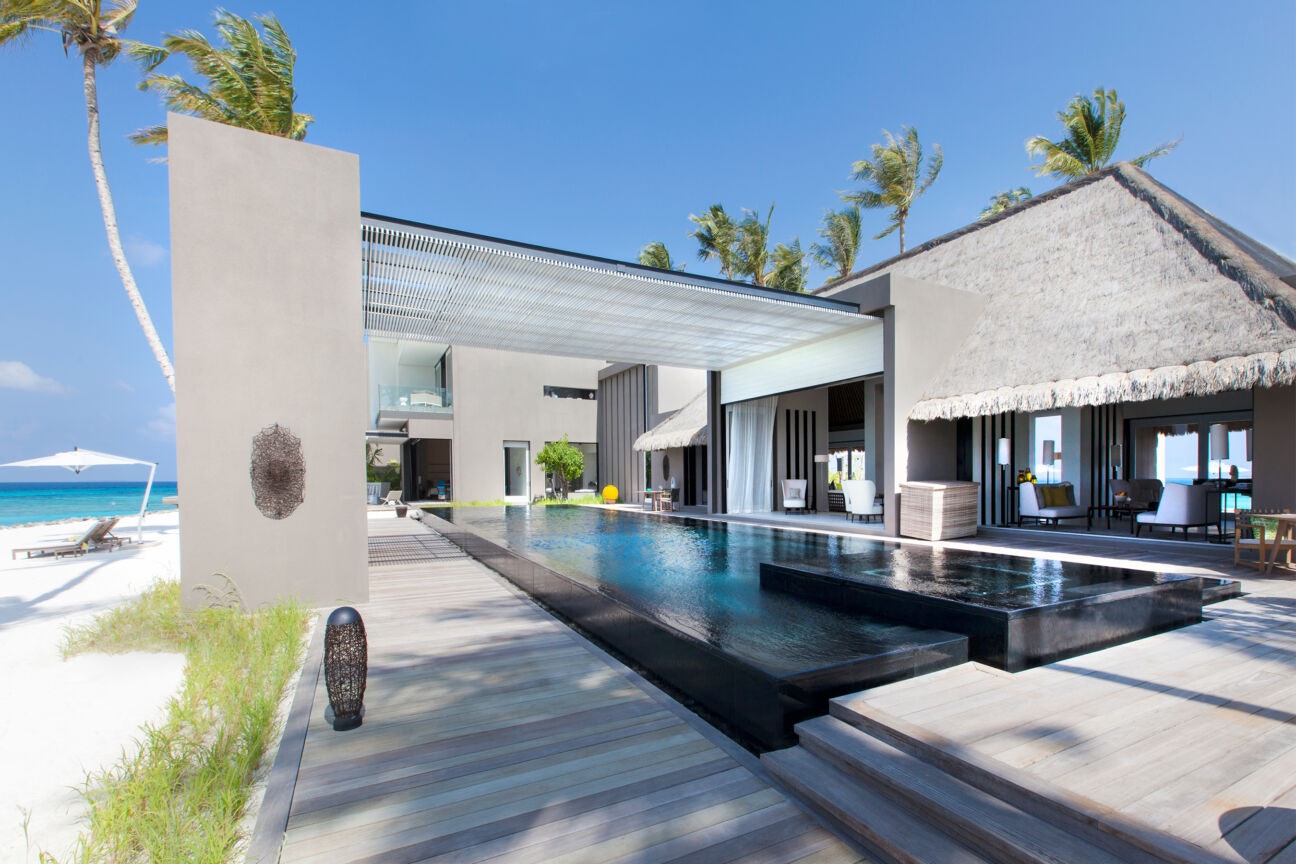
(346,666)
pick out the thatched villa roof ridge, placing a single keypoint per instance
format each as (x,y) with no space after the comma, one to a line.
(687,427)
(1214,238)
(1109,289)
(1266,276)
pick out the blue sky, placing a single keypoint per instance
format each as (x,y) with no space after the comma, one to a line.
(598,127)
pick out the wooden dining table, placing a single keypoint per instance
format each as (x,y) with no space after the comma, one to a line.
(1284,530)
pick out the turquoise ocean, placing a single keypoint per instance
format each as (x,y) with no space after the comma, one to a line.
(50,502)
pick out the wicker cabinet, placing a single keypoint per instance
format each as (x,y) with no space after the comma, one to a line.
(938,510)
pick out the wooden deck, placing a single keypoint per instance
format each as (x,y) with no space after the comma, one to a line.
(494,733)
(1192,732)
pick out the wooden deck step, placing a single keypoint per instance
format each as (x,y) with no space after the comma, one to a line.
(868,816)
(1095,824)
(978,820)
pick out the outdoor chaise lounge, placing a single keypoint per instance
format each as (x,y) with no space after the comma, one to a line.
(97,536)
(861,499)
(794,495)
(1049,502)
(1182,507)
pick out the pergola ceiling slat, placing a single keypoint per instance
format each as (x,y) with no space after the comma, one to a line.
(449,287)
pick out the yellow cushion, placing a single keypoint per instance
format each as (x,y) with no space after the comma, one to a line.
(1054,496)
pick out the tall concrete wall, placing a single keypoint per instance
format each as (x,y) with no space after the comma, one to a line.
(1274,448)
(622,417)
(265,271)
(498,397)
(925,325)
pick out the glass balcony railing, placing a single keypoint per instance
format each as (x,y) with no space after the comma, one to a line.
(432,400)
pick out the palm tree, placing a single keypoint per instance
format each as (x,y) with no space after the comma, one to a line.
(841,233)
(789,271)
(94,29)
(1001,201)
(751,247)
(716,234)
(893,175)
(655,255)
(249,79)
(1093,128)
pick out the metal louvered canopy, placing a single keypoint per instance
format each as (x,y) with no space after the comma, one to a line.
(440,285)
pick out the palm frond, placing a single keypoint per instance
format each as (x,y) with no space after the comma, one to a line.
(1160,150)
(248,78)
(789,270)
(1093,128)
(841,231)
(656,255)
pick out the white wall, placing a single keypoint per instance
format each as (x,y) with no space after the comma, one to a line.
(852,354)
(498,397)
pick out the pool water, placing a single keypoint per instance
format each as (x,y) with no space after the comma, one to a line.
(701,578)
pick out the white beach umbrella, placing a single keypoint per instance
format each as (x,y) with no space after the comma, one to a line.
(77,460)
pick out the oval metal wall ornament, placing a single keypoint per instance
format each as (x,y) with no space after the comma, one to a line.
(278,472)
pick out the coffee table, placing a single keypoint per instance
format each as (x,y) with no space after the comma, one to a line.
(1130,510)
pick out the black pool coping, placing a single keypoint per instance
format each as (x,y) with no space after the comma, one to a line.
(1012,639)
(760,705)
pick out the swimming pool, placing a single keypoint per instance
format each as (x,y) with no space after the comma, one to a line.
(685,598)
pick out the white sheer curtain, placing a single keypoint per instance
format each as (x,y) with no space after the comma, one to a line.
(751,455)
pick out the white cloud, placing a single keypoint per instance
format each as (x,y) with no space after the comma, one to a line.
(15,375)
(144,252)
(162,424)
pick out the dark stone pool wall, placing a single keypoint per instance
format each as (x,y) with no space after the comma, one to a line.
(1010,639)
(760,706)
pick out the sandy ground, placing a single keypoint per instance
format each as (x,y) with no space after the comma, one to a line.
(62,719)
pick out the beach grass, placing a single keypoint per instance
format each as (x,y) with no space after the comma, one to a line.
(183,796)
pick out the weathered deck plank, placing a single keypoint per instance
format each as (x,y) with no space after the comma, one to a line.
(494,733)
(1192,731)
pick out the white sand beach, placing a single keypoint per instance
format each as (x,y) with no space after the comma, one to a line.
(64,719)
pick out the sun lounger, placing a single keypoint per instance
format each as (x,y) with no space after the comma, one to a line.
(97,536)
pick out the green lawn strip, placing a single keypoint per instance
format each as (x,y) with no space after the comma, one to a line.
(183,796)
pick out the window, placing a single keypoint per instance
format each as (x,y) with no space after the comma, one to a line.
(552,392)
(1047,459)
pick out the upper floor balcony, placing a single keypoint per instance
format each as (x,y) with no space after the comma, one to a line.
(432,400)
(399,405)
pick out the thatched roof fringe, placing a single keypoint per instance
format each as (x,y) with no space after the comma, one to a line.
(687,427)
(1270,369)
(1213,244)
(681,438)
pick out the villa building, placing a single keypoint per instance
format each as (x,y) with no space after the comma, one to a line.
(1109,314)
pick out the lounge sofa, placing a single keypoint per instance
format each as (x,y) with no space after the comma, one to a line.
(1048,502)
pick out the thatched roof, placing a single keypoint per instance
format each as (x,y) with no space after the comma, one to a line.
(687,427)
(1109,289)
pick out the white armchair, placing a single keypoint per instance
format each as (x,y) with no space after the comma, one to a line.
(861,498)
(1182,507)
(794,495)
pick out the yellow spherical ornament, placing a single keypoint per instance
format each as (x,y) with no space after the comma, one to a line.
(610,494)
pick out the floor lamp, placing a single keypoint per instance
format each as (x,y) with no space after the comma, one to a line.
(1219,446)
(1005,457)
